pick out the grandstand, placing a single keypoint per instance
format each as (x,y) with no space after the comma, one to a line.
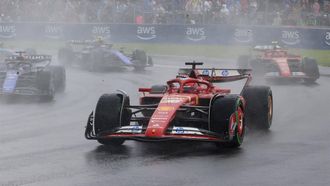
(251,12)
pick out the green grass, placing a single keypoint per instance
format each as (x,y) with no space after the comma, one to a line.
(228,52)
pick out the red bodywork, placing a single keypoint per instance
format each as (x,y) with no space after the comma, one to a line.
(188,93)
(282,59)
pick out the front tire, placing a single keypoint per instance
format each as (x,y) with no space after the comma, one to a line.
(259,107)
(227,119)
(311,69)
(110,114)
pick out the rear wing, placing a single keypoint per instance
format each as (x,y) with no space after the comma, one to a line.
(217,75)
(86,42)
(262,48)
(80,42)
(28,58)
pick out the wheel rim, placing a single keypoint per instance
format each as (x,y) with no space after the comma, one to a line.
(270,109)
(240,124)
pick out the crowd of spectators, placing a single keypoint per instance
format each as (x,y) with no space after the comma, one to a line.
(252,12)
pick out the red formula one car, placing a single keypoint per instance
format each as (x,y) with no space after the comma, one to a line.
(276,63)
(189,107)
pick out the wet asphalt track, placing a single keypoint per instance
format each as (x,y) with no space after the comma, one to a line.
(43,143)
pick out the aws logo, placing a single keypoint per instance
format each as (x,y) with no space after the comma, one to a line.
(243,35)
(7,31)
(290,37)
(103,31)
(195,33)
(327,38)
(53,31)
(146,32)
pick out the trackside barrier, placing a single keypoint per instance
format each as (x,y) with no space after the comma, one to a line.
(295,37)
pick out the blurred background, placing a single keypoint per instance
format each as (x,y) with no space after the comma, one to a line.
(245,12)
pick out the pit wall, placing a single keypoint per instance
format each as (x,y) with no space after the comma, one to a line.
(292,37)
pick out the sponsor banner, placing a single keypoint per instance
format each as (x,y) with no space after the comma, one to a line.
(295,37)
(8,31)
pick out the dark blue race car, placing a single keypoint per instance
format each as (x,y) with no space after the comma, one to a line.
(97,54)
(31,75)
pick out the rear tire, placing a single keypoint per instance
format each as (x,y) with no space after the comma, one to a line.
(108,115)
(95,60)
(259,107)
(140,59)
(65,56)
(45,83)
(243,62)
(59,78)
(225,111)
(311,69)
(150,61)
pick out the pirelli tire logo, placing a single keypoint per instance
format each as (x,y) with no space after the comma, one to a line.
(146,33)
(327,38)
(290,37)
(7,31)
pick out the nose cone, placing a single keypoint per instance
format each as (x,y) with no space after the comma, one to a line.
(154,132)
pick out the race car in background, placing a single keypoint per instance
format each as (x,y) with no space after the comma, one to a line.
(276,63)
(97,54)
(189,107)
(6,52)
(31,75)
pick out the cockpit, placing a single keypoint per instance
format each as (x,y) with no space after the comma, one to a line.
(21,66)
(188,85)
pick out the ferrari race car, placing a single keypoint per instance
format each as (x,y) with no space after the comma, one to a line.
(189,107)
(96,54)
(31,75)
(276,63)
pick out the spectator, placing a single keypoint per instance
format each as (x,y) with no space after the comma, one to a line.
(277,20)
(292,12)
(316,8)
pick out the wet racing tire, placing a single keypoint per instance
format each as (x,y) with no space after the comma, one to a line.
(111,114)
(65,56)
(59,78)
(140,59)
(243,62)
(225,112)
(150,61)
(311,69)
(45,83)
(259,107)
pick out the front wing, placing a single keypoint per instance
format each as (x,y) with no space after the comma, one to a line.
(137,132)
